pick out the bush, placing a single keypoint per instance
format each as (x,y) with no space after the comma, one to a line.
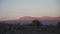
(36,23)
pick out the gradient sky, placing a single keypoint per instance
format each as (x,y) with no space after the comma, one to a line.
(12,9)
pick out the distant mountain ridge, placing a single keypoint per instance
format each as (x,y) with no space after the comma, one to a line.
(39,18)
(28,19)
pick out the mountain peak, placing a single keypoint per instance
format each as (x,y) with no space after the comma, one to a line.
(26,18)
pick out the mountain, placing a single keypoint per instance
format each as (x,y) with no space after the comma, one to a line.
(28,19)
(39,18)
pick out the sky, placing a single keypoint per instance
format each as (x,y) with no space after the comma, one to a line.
(12,9)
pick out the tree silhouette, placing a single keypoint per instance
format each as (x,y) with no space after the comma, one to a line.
(58,26)
(37,23)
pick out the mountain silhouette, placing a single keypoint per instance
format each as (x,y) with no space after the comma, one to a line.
(39,18)
(46,20)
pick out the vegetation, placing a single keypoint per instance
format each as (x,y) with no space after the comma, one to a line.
(34,28)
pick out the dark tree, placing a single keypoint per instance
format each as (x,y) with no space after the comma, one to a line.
(37,23)
(58,27)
